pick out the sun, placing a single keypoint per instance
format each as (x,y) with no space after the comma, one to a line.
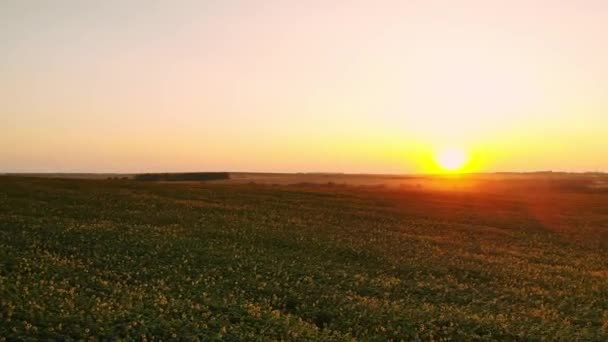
(452,159)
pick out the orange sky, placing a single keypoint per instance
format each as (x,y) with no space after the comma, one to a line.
(345,86)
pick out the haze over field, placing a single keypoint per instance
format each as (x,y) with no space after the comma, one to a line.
(348,86)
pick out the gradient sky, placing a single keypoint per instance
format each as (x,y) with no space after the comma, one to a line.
(344,86)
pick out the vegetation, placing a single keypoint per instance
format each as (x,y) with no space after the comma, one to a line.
(118,258)
(188,176)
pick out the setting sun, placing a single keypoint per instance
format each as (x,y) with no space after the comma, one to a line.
(452,159)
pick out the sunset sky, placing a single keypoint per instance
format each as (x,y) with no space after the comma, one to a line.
(335,86)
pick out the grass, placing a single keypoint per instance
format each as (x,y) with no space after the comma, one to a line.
(124,259)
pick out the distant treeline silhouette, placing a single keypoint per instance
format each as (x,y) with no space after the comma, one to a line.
(187,176)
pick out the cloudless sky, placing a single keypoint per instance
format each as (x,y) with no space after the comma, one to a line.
(347,86)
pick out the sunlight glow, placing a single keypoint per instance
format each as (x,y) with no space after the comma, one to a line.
(452,159)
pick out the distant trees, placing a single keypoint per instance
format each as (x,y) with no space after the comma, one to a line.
(187,176)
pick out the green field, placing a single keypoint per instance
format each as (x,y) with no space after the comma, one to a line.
(120,258)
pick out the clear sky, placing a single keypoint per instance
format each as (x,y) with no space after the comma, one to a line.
(346,86)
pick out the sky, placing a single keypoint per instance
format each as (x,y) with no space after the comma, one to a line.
(302,86)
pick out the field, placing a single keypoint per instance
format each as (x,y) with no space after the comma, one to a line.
(478,258)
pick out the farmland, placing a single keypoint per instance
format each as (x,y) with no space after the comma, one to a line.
(83,258)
